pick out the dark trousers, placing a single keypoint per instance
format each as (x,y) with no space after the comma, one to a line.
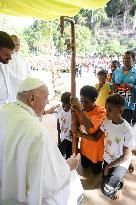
(65,148)
(128,115)
(96,167)
(113,182)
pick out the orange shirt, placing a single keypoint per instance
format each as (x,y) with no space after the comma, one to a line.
(91,149)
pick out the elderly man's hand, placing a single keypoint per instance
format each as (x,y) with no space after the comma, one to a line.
(73,161)
(52,110)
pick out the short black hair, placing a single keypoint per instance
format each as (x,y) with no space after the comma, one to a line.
(65,97)
(116,62)
(116,99)
(102,73)
(131,53)
(6,41)
(90,92)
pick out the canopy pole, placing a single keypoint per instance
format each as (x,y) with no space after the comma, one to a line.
(73,78)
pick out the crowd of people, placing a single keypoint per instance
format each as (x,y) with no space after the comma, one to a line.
(33,169)
(61,63)
(106,115)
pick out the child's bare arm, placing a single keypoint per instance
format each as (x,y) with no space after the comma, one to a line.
(84,120)
(126,154)
(92,137)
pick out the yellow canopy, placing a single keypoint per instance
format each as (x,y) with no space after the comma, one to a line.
(47,9)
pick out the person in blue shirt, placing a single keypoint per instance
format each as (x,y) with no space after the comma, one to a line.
(124,82)
(114,65)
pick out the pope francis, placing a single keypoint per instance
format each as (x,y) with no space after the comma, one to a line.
(32,170)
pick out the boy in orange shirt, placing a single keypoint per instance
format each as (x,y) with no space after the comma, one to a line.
(91,117)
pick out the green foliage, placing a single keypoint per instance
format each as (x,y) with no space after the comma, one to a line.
(131,44)
(38,37)
(113,7)
(100,16)
(88,17)
(41,36)
(83,40)
(113,48)
(24,46)
(95,32)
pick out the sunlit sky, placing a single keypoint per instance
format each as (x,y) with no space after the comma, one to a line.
(20,22)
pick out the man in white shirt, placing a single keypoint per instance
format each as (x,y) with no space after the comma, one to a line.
(18,70)
(32,170)
(6,48)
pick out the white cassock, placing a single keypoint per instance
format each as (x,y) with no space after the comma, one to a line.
(32,170)
(4,84)
(18,70)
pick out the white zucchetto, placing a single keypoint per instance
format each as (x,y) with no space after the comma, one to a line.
(29,84)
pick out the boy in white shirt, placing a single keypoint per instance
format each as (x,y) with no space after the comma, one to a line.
(64,118)
(118,146)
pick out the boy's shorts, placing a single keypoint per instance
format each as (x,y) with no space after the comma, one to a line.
(113,182)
